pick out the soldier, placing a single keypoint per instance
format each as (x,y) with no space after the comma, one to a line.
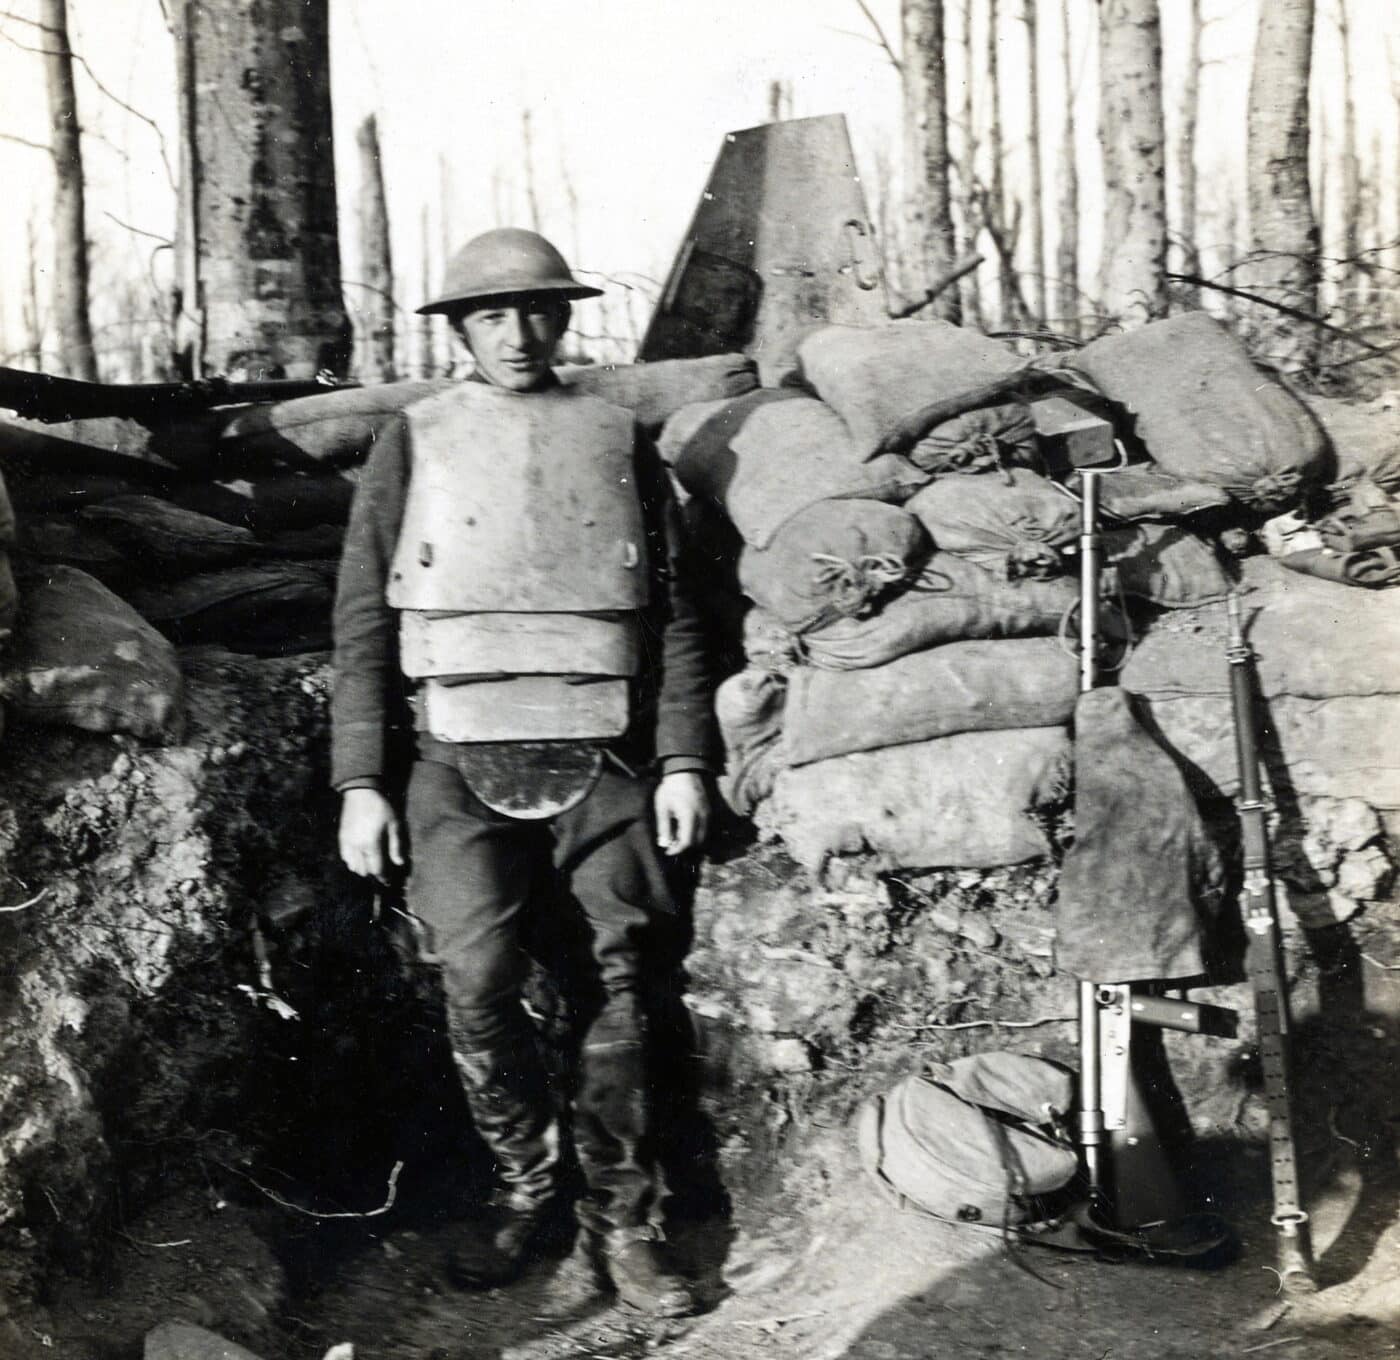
(510,570)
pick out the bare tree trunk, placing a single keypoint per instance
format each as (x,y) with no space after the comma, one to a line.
(996,210)
(1186,155)
(72,321)
(425,360)
(257,244)
(779,100)
(1037,190)
(1232,252)
(971,286)
(376,268)
(1283,232)
(1067,251)
(532,200)
(32,316)
(1132,271)
(928,201)
(1351,174)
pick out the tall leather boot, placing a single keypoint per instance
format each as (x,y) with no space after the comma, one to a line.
(621,1208)
(506,1095)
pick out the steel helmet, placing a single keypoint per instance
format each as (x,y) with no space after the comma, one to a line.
(503,263)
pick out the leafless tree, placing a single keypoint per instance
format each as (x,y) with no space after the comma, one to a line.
(971,286)
(1132,274)
(1036,212)
(258,254)
(927,197)
(376,267)
(1186,153)
(1067,250)
(69,286)
(1351,170)
(1283,231)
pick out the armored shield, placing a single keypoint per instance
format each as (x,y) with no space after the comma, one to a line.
(780,241)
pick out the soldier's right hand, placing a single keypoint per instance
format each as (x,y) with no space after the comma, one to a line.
(371,838)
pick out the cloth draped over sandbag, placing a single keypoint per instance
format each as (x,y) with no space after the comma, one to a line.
(952,600)
(834,560)
(1365,439)
(785,456)
(874,376)
(1016,524)
(1145,492)
(973,800)
(960,687)
(81,657)
(1142,880)
(1206,413)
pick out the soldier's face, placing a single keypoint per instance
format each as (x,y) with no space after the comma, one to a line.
(513,342)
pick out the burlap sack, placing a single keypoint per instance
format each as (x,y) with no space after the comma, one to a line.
(1206,413)
(785,456)
(953,600)
(749,707)
(874,376)
(984,440)
(269,504)
(80,657)
(1166,565)
(62,540)
(152,530)
(834,560)
(968,801)
(654,392)
(961,687)
(1015,524)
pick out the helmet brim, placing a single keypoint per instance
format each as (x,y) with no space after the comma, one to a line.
(564,290)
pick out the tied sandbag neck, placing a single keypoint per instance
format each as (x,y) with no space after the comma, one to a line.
(852,585)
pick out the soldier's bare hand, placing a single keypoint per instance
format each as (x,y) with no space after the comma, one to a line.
(682,812)
(371,838)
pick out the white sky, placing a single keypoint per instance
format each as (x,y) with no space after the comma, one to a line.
(634,96)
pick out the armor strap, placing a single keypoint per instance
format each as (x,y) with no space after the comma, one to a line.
(530,780)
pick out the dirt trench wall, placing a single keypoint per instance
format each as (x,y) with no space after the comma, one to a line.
(129,1024)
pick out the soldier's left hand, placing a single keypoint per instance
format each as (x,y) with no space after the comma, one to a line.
(682,812)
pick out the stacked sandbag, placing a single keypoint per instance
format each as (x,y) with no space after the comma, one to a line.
(82,657)
(873,377)
(1327,684)
(9,595)
(1205,413)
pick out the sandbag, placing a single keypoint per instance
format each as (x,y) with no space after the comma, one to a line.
(953,600)
(1206,413)
(61,540)
(35,493)
(654,392)
(704,429)
(1312,639)
(1166,565)
(984,440)
(874,376)
(105,446)
(1014,524)
(749,707)
(9,599)
(270,504)
(961,687)
(969,801)
(1346,747)
(266,609)
(1365,438)
(7,517)
(1146,492)
(167,536)
(332,429)
(80,657)
(834,560)
(785,456)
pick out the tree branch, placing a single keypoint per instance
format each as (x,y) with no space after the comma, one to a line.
(1281,307)
(138,231)
(883,41)
(24,141)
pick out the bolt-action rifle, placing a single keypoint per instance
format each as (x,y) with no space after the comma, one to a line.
(1264,963)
